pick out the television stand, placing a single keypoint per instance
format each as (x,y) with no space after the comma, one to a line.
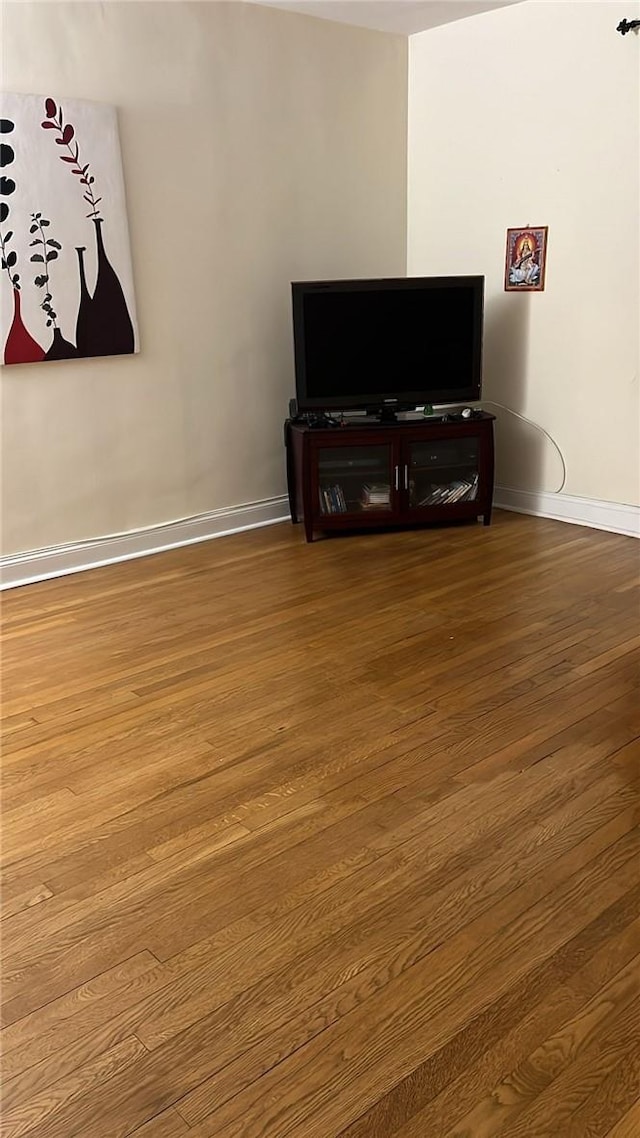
(390,474)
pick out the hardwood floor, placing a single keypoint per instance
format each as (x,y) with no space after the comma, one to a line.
(326,841)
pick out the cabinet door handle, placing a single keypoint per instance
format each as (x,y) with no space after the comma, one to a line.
(406,477)
(397,473)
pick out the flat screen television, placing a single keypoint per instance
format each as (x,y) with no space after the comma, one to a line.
(382,346)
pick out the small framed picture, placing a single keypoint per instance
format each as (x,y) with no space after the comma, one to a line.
(526,259)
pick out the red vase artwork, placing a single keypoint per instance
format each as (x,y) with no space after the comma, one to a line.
(21,348)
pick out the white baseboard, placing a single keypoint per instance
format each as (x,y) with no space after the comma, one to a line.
(613,516)
(60,560)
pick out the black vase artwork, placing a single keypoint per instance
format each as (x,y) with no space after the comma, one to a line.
(103,326)
(111,327)
(61,349)
(83,320)
(99,315)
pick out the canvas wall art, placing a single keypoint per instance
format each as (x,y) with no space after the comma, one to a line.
(66,281)
(526,259)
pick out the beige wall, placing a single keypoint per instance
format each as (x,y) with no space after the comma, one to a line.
(531,115)
(258,147)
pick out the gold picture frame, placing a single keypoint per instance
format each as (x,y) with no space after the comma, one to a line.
(526,259)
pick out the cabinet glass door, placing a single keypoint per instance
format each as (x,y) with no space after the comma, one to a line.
(444,472)
(355,480)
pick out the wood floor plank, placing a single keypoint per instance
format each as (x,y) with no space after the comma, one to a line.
(562,1103)
(168,1124)
(211,906)
(63,1010)
(610,1098)
(41,1109)
(629,1125)
(539,932)
(164,1026)
(199,977)
(299,843)
(15,722)
(441,1089)
(526,1082)
(350,1053)
(25,900)
(396,967)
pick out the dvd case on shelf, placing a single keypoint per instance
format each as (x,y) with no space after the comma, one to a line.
(460,490)
(376,496)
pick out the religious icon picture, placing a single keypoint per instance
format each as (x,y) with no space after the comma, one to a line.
(526,259)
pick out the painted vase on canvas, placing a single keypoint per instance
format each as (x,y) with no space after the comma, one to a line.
(20,347)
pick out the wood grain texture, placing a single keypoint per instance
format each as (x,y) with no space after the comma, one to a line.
(522,1086)
(331,840)
(441,1089)
(21,901)
(629,1125)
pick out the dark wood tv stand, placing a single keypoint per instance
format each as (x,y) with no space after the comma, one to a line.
(389,474)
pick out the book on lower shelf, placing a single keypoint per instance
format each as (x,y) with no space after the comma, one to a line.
(332,500)
(375,496)
(460,490)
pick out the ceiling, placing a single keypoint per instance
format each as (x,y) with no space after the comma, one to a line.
(404,17)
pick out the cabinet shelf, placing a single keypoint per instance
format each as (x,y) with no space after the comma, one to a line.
(369,472)
(443,466)
(397,474)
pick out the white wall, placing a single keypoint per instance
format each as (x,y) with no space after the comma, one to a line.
(531,115)
(258,147)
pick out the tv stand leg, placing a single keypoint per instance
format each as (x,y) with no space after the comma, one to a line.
(308,527)
(486,518)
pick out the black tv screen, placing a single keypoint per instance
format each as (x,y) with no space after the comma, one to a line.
(396,343)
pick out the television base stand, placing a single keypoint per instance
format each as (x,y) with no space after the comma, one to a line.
(402,473)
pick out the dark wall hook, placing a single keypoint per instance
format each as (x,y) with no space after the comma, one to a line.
(627,26)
